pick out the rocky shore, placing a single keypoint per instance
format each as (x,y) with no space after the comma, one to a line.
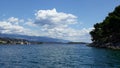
(106,45)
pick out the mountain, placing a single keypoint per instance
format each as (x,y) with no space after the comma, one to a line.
(33,38)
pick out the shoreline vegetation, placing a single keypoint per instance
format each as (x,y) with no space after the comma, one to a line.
(107,33)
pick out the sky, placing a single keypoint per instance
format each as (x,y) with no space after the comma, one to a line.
(63,19)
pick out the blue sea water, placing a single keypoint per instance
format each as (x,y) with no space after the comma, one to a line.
(57,56)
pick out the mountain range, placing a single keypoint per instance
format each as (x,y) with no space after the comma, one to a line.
(33,38)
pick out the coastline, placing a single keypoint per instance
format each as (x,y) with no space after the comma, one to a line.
(105,45)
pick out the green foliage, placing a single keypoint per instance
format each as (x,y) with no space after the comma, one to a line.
(109,29)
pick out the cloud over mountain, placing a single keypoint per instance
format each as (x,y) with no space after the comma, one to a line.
(57,24)
(50,23)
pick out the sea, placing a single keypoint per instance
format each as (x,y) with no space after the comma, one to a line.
(58,56)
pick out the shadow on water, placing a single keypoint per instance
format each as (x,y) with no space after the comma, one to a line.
(105,58)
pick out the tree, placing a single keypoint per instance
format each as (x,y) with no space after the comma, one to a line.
(109,29)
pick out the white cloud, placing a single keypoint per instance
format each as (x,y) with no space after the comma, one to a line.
(52,18)
(30,23)
(14,20)
(68,33)
(11,26)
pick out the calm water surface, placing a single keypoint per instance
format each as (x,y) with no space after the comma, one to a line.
(57,56)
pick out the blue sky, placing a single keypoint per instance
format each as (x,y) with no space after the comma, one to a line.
(70,19)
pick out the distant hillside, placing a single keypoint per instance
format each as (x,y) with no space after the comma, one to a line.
(33,38)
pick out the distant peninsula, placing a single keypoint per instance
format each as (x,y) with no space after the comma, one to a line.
(107,33)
